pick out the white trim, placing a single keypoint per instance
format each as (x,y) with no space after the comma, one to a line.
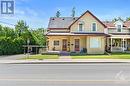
(92,27)
(117,28)
(120,37)
(119,22)
(111,44)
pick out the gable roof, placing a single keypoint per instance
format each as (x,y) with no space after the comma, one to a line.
(61,22)
(91,15)
(111,24)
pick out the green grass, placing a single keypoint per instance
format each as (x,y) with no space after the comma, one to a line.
(41,57)
(112,56)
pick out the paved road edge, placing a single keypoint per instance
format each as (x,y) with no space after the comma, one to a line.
(65,61)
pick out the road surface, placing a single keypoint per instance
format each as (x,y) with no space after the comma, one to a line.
(97,74)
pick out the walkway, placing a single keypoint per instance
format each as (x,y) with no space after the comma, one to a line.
(65,55)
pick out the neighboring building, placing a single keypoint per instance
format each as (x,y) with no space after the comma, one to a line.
(119,40)
(74,34)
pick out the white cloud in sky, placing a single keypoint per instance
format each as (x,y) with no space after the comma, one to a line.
(27,14)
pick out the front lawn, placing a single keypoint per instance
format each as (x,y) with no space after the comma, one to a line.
(41,57)
(112,56)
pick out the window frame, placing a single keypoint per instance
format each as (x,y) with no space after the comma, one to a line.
(92,43)
(56,44)
(80,29)
(81,22)
(120,28)
(95,27)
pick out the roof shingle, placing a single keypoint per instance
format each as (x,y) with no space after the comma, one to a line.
(61,22)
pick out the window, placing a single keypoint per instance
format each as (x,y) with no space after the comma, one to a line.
(56,43)
(80,27)
(118,28)
(94,27)
(95,42)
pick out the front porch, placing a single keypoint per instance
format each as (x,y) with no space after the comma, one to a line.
(118,44)
(88,44)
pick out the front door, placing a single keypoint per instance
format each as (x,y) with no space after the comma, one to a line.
(64,45)
(76,44)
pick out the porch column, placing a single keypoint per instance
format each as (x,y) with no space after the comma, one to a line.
(107,42)
(69,44)
(123,44)
(111,44)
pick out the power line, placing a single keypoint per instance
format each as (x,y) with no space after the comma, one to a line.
(7,23)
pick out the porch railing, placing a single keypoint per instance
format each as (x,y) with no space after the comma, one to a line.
(117,49)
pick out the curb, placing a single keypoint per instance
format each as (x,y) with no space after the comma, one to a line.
(64,61)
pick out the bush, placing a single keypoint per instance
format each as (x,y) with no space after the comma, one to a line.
(9,46)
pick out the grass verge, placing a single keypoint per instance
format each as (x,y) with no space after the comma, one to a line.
(112,56)
(41,57)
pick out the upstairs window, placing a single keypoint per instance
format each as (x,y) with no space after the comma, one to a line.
(94,27)
(118,28)
(80,27)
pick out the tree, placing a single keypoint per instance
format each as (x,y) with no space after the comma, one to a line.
(116,19)
(9,32)
(119,18)
(73,12)
(128,18)
(12,40)
(58,14)
(39,36)
(22,30)
(21,27)
(1,31)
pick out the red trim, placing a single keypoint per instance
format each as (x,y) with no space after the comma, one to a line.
(91,15)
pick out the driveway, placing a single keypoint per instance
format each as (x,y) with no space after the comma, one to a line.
(12,57)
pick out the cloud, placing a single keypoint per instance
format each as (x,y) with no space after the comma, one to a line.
(32,17)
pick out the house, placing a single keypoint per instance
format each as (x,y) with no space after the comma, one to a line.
(86,33)
(119,40)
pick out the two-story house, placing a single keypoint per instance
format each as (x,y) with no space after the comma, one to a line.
(73,34)
(119,40)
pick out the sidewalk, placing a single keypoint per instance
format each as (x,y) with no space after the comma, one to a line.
(57,61)
(12,57)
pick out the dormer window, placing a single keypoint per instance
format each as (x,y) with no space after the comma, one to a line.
(119,28)
(119,25)
(94,27)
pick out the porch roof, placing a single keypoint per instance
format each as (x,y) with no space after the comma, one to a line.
(120,36)
(77,34)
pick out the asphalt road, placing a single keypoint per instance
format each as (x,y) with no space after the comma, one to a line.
(108,74)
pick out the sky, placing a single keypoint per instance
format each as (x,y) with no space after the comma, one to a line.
(36,13)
